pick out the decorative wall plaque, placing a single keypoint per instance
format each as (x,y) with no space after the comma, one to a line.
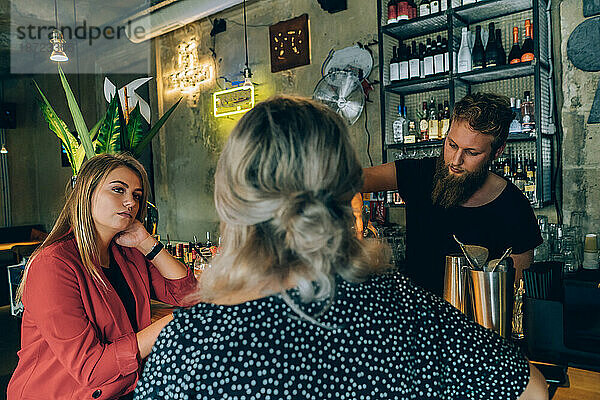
(290,45)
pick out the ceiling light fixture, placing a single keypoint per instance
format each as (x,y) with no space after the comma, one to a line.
(57,40)
(247,71)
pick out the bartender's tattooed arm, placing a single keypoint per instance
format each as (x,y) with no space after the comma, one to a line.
(522,261)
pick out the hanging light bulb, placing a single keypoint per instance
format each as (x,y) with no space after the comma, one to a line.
(3,150)
(57,40)
(58,53)
(247,71)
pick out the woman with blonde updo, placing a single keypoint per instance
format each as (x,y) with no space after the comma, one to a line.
(296,306)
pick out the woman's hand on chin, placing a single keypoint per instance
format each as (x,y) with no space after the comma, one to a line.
(133,235)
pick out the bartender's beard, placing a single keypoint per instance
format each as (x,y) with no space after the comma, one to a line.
(451,191)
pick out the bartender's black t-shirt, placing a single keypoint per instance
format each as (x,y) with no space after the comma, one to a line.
(507,221)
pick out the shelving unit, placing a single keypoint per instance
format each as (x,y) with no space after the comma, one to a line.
(509,80)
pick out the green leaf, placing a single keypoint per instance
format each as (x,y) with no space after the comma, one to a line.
(94,131)
(135,131)
(109,131)
(59,127)
(122,132)
(139,148)
(79,157)
(84,134)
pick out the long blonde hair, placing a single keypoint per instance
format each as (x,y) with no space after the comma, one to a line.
(76,214)
(283,187)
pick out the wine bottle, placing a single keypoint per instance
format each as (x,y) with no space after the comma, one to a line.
(491,50)
(433,120)
(445,120)
(413,63)
(394,66)
(403,57)
(514,56)
(428,59)
(392,11)
(434,7)
(478,55)
(402,11)
(443,5)
(424,8)
(465,63)
(446,55)
(421,60)
(527,48)
(423,124)
(438,57)
(501,57)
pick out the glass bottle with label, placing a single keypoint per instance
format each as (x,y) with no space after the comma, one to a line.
(491,50)
(428,59)
(392,11)
(434,7)
(478,54)
(514,56)
(394,66)
(465,63)
(424,8)
(527,114)
(403,56)
(445,120)
(527,48)
(501,58)
(423,124)
(398,127)
(438,57)
(412,135)
(515,125)
(433,120)
(413,63)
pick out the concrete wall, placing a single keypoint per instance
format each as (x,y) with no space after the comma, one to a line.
(581,141)
(186,152)
(37,179)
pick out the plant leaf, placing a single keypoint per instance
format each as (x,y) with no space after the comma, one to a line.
(122,129)
(135,131)
(96,128)
(84,134)
(109,131)
(79,157)
(139,148)
(59,127)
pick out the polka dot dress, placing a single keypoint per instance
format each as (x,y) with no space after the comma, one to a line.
(386,340)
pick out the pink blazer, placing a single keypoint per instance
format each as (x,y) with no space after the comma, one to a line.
(76,339)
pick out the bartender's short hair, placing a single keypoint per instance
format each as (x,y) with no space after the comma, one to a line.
(283,187)
(486,113)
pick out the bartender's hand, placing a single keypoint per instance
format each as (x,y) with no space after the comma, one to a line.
(133,236)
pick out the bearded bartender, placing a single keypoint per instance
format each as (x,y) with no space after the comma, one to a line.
(457,194)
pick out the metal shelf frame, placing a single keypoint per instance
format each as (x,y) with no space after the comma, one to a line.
(457,85)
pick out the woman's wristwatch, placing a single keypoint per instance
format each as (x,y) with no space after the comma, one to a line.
(158,246)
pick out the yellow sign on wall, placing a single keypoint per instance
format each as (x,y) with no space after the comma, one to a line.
(233,101)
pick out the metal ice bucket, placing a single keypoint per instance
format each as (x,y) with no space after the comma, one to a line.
(492,298)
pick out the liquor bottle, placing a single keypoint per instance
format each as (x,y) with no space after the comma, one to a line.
(411,137)
(478,55)
(445,120)
(527,114)
(421,60)
(530,183)
(424,8)
(402,11)
(520,177)
(527,48)
(515,125)
(446,54)
(434,6)
(394,66)
(465,63)
(413,63)
(398,127)
(412,9)
(423,124)
(514,56)
(440,118)
(501,57)
(491,50)
(403,56)
(428,59)
(392,11)
(438,57)
(433,120)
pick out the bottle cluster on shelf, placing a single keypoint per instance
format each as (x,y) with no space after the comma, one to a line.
(427,59)
(403,10)
(524,120)
(487,51)
(194,255)
(433,124)
(519,167)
